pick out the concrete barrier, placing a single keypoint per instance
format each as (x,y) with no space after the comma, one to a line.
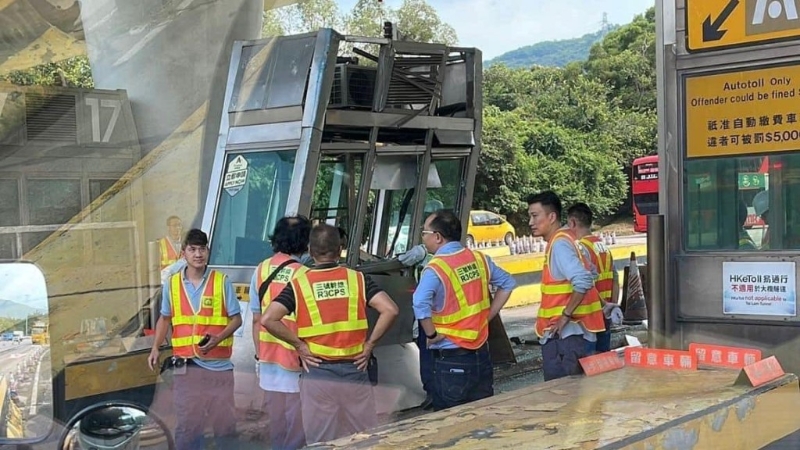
(527,269)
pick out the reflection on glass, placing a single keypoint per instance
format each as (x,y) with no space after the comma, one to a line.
(50,202)
(116,428)
(116,209)
(336,189)
(268,75)
(743,203)
(393,196)
(9,217)
(451,179)
(25,381)
(252,199)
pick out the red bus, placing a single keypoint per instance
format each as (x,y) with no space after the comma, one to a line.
(644,185)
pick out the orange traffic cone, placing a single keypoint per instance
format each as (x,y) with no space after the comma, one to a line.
(635,306)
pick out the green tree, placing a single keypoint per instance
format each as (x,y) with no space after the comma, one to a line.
(504,171)
(72,72)
(418,21)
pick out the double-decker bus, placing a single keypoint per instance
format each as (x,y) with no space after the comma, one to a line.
(644,184)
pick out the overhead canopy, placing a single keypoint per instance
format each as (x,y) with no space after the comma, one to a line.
(34,32)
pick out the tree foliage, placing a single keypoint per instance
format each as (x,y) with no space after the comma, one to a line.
(551,53)
(417,20)
(72,72)
(573,129)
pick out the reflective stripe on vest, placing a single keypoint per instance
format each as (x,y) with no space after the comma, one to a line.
(602,260)
(464,317)
(556,295)
(167,253)
(272,349)
(190,325)
(331,311)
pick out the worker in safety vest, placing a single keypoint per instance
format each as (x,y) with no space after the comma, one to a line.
(332,339)
(454,307)
(419,256)
(571,312)
(579,221)
(169,247)
(277,362)
(200,306)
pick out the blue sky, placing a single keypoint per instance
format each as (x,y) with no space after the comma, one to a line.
(496,29)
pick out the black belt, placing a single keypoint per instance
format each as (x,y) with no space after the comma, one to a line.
(180,362)
(337,361)
(450,352)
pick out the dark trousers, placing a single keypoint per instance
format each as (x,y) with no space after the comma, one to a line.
(604,339)
(603,343)
(285,420)
(425,362)
(203,398)
(461,376)
(336,400)
(560,357)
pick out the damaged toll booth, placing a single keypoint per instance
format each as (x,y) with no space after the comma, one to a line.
(367,134)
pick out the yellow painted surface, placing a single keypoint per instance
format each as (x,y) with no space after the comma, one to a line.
(532,293)
(534,262)
(743,112)
(52,46)
(111,375)
(741,27)
(750,423)
(653,409)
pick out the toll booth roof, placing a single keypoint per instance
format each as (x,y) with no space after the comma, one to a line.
(627,408)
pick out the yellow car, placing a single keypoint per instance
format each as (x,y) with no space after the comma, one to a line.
(488,226)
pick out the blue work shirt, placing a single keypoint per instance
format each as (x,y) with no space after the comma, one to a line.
(429,295)
(231,305)
(565,264)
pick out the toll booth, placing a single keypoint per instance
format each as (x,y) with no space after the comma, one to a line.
(366,134)
(723,254)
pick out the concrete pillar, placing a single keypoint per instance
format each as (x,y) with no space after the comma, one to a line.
(171,56)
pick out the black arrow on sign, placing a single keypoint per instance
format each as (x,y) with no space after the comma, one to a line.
(711,31)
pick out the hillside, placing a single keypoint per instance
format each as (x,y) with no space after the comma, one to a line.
(14,310)
(551,53)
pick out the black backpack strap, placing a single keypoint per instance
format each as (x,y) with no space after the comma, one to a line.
(265,285)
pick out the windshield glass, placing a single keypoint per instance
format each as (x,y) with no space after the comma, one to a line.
(253,197)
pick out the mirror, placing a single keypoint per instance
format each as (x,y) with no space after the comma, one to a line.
(116,427)
(26,384)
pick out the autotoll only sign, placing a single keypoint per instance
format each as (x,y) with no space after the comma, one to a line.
(715,24)
(236,176)
(742,112)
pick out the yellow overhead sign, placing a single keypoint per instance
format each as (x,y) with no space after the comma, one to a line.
(714,24)
(744,112)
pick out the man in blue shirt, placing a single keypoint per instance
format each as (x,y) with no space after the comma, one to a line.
(202,388)
(566,342)
(462,365)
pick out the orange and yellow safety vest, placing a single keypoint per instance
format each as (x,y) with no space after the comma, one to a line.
(331,312)
(556,295)
(272,349)
(190,326)
(464,317)
(168,254)
(603,262)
